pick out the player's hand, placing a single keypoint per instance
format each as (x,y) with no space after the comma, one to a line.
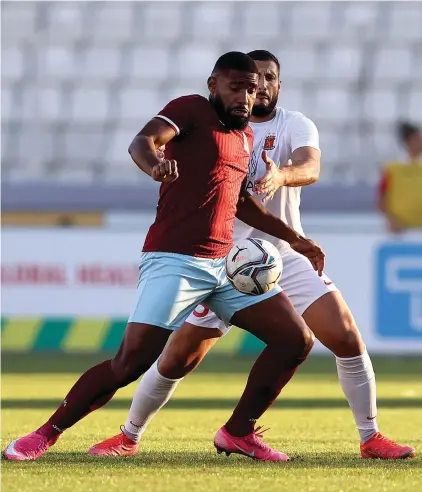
(165,171)
(271,181)
(312,251)
(160,153)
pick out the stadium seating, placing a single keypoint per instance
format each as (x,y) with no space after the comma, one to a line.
(80,78)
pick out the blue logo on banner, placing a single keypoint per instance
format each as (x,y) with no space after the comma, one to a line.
(399,296)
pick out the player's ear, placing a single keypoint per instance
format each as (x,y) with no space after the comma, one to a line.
(212,83)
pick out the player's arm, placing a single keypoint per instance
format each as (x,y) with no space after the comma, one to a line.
(175,119)
(305,160)
(144,146)
(250,211)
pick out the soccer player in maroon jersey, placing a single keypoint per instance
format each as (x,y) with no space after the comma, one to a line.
(182,263)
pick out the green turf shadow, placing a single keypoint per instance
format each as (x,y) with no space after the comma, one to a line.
(208,458)
(408,367)
(218,403)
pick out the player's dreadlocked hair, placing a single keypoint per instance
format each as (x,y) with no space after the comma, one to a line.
(235,60)
(264,55)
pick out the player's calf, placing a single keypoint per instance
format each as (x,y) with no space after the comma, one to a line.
(289,342)
(93,388)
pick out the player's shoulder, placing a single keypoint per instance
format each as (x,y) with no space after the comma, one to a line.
(290,116)
(192,100)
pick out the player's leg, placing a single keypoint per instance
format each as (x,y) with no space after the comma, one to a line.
(332,322)
(96,385)
(272,319)
(183,353)
(150,324)
(288,340)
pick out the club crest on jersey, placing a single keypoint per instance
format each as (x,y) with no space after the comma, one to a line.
(269,143)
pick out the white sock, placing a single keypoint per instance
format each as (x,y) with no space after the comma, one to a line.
(357,379)
(152,393)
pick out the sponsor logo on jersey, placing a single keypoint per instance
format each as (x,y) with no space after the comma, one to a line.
(252,170)
(269,143)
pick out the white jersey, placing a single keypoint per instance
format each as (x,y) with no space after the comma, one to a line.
(280,137)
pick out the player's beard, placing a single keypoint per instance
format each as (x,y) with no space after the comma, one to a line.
(230,121)
(262,110)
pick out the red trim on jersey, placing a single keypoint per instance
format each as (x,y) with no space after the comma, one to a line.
(383,184)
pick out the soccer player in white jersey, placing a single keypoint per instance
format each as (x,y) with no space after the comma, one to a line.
(286,157)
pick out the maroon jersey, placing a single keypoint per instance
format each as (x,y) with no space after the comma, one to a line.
(195,213)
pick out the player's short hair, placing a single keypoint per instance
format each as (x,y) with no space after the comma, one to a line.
(405,130)
(264,55)
(235,60)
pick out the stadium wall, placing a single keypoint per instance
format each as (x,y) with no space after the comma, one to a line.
(71,290)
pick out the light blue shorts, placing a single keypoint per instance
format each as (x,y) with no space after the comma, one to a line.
(171,285)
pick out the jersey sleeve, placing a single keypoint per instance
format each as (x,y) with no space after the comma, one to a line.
(179,113)
(303,133)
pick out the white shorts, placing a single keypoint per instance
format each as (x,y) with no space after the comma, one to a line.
(299,281)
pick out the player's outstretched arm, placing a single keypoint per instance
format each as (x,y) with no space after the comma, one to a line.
(304,171)
(250,211)
(144,146)
(303,137)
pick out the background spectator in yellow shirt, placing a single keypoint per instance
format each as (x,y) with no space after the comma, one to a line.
(400,187)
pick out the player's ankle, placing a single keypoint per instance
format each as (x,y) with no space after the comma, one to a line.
(50,431)
(134,437)
(239,428)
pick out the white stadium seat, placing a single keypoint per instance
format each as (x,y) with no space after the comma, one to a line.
(405,21)
(297,63)
(381,106)
(162,21)
(117,154)
(342,62)
(186,90)
(41,104)
(138,104)
(73,72)
(331,143)
(334,104)
(292,98)
(12,64)
(359,20)
(414,111)
(90,105)
(56,62)
(310,20)
(66,21)
(36,147)
(211,20)
(261,20)
(8,109)
(18,20)
(101,64)
(113,21)
(148,63)
(196,61)
(393,63)
(85,143)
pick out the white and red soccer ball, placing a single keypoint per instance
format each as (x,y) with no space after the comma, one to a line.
(253,266)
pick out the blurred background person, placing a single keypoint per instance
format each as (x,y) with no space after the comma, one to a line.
(400,189)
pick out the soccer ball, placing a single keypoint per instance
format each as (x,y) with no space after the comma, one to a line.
(253,266)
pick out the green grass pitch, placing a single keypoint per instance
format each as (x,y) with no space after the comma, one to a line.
(311,422)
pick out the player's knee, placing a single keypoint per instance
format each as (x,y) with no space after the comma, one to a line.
(178,362)
(129,366)
(308,341)
(346,340)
